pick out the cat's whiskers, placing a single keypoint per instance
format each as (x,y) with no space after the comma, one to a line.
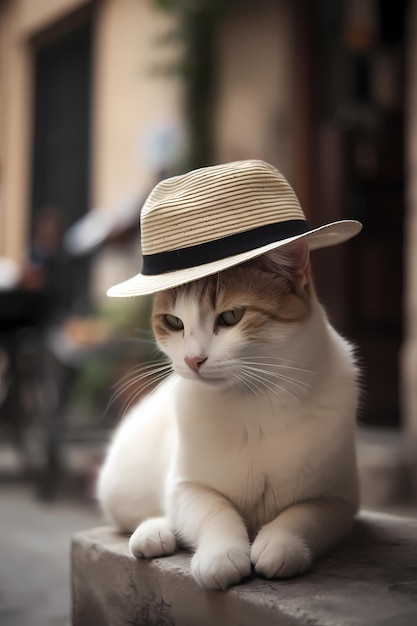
(148,366)
(262,369)
(261,383)
(304,386)
(159,379)
(272,387)
(247,385)
(269,384)
(284,363)
(134,375)
(139,375)
(238,379)
(149,373)
(147,338)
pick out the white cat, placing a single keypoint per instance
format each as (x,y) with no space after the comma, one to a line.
(246,453)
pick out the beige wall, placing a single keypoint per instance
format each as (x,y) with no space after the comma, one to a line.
(126,101)
(130,97)
(254,118)
(14,133)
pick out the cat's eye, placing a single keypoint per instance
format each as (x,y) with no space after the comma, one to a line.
(230,318)
(174,323)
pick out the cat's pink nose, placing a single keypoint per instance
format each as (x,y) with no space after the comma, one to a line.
(195,362)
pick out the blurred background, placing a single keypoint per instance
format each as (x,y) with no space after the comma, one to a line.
(99,100)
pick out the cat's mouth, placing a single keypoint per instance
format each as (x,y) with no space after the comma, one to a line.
(206,378)
(213,381)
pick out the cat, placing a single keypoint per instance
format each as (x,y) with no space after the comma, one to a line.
(245,454)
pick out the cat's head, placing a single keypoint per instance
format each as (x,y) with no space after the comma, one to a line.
(228,328)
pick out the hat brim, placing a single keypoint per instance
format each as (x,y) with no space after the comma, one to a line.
(142,285)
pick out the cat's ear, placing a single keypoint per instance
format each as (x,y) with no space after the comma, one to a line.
(291,261)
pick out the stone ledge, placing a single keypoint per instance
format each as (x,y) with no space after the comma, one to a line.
(371,579)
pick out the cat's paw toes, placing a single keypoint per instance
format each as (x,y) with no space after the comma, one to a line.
(151,539)
(280,554)
(220,570)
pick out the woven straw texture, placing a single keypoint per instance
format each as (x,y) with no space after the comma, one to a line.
(215,202)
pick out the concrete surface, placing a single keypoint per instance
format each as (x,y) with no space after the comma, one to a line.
(369,580)
(34,556)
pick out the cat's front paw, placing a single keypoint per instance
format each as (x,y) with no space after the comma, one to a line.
(220,569)
(278,553)
(152,538)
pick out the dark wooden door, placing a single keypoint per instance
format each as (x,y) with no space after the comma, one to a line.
(61,149)
(61,152)
(358,167)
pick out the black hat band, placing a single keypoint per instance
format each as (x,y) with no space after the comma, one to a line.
(200,254)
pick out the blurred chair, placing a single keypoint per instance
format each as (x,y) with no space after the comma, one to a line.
(94,349)
(22,327)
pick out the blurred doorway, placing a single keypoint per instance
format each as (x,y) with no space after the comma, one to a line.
(61,137)
(358,168)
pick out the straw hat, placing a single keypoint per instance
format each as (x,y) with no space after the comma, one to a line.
(209,219)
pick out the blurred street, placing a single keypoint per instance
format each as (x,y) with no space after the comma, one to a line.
(34,563)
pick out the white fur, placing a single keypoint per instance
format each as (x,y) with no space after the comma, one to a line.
(264,478)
